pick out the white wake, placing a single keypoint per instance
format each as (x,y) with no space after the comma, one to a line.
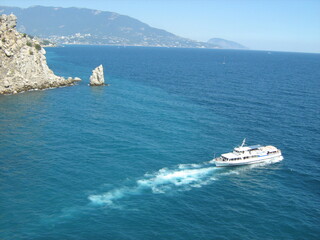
(160,182)
(184,177)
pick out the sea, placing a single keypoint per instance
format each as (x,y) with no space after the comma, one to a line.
(131,160)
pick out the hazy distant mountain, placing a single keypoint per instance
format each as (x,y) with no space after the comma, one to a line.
(86,26)
(226,44)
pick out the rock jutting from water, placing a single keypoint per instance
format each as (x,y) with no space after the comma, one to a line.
(97,77)
(23,64)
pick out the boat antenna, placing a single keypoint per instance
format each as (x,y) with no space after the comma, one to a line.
(243,142)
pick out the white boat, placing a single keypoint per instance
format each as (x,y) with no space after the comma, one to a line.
(244,155)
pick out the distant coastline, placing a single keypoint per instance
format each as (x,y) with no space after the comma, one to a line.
(93,27)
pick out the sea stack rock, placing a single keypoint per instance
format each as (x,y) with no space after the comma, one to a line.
(23,65)
(97,77)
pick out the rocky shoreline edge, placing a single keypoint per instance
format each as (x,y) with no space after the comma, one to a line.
(23,65)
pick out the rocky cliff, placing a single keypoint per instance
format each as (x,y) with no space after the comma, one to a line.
(97,77)
(23,64)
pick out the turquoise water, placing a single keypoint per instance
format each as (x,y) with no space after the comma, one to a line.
(130,161)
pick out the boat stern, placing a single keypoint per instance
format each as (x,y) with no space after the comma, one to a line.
(219,163)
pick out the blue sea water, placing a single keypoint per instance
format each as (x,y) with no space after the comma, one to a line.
(130,161)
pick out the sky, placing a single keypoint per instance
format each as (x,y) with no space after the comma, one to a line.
(276,25)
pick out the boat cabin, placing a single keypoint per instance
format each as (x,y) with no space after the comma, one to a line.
(246,152)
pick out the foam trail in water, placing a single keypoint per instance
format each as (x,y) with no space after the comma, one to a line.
(182,178)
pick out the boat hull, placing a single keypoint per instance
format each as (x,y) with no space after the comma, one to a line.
(276,158)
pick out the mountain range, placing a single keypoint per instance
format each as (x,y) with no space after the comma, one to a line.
(87,26)
(226,44)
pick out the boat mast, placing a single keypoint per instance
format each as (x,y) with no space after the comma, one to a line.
(243,142)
